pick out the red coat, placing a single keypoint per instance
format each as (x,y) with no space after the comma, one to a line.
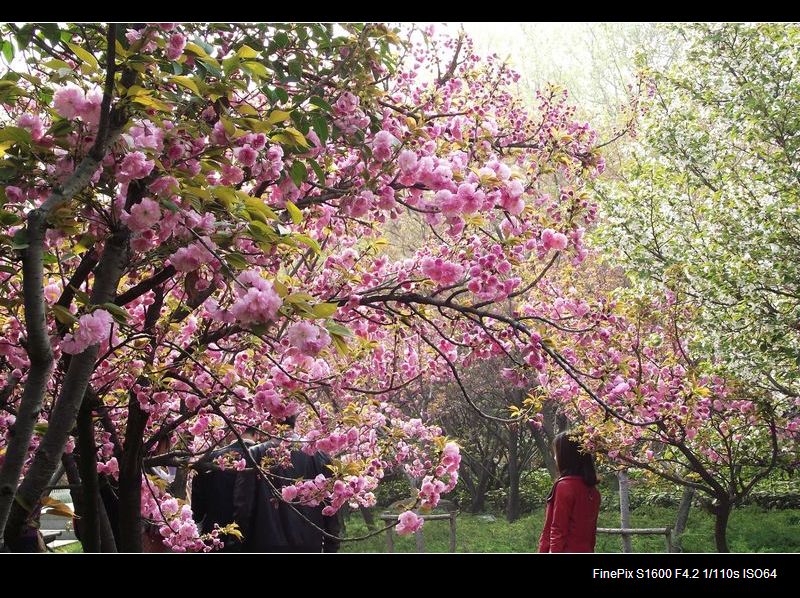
(570,523)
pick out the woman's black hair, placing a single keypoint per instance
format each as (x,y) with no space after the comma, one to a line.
(573,459)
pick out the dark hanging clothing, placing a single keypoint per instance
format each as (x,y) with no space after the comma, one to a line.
(274,525)
(213,499)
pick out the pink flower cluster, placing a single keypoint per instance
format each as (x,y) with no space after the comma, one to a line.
(351,489)
(175,46)
(409,522)
(441,271)
(553,240)
(335,442)
(176,524)
(310,492)
(257,301)
(93,328)
(308,338)
(71,102)
(145,135)
(191,257)
(382,145)
(14,194)
(143,215)
(135,165)
(109,468)
(349,117)
(33,124)
(270,401)
(433,486)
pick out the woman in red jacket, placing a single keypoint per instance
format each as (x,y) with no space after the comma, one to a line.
(571,519)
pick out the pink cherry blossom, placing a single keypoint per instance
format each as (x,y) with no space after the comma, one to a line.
(92,328)
(308,338)
(144,215)
(69,101)
(409,523)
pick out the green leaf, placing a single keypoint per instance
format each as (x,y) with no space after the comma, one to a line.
(230,65)
(320,126)
(80,296)
(281,39)
(277,116)
(153,103)
(24,36)
(298,173)
(281,138)
(280,288)
(261,233)
(317,171)
(57,65)
(320,103)
(246,52)
(294,211)
(51,32)
(246,110)
(20,239)
(237,260)
(282,94)
(119,313)
(63,315)
(301,122)
(341,345)
(197,50)
(225,195)
(16,134)
(85,56)
(259,329)
(83,244)
(337,329)
(186,82)
(297,137)
(170,205)
(259,210)
(324,310)
(296,69)
(9,91)
(229,126)
(60,128)
(308,241)
(298,298)
(8,51)
(212,66)
(256,68)
(9,218)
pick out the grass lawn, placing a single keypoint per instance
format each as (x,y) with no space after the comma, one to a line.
(751,529)
(73,547)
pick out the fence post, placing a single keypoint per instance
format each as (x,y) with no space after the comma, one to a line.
(452,531)
(625,509)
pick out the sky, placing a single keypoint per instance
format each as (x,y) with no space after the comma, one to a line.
(590,59)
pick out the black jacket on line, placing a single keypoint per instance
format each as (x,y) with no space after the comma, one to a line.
(213,499)
(274,525)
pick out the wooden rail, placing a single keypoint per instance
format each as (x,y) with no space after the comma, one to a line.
(390,517)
